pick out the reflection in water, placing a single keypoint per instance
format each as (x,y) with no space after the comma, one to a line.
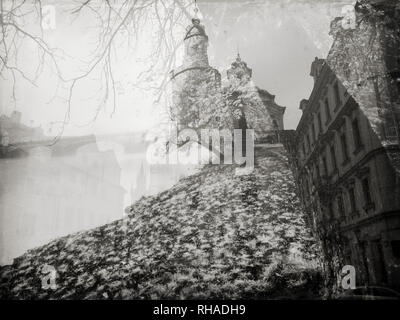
(79,183)
(45,196)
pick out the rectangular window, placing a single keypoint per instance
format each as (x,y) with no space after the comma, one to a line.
(317,171)
(325,167)
(320,171)
(344,147)
(308,142)
(330,211)
(366,191)
(337,95)
(396,248)
(319,123)
(333,157)
(398,85)
(327,111)
(352,198)
(397,76)
(306,189)
(391,131)
(340,203)
(313,131)
(356,134)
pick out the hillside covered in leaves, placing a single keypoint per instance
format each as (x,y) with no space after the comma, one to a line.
(215,234)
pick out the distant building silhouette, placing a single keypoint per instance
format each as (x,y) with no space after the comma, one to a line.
(13,131)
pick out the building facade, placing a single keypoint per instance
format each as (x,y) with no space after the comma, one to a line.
(349,188)
(345,150)
(365,57)
(13,131)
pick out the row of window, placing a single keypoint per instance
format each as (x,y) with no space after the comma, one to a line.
(345,202)
(350,195)
(328,117)
(322,169)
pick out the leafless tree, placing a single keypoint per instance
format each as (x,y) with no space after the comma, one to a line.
(116,22)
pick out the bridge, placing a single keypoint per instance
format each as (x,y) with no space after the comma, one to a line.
(129,142)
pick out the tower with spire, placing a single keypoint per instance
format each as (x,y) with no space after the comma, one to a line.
(195,83)
(195,79)
(239,70)
(259,109)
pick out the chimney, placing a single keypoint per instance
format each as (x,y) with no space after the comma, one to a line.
(316,67)
(303,104)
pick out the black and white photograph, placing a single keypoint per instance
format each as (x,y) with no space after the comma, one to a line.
(200,150)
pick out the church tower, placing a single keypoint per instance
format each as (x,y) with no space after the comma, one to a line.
(196,44)
(258,109)
(239,71)
(195,82)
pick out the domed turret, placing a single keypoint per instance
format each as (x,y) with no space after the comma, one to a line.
(196,43)
(239,70)
(195,83)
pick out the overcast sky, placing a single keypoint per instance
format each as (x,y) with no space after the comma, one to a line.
(278,40)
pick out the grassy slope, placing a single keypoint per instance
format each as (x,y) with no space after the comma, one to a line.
(213,235)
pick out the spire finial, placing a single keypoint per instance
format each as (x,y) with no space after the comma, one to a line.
(196,9)
(238,58)
(196,19)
